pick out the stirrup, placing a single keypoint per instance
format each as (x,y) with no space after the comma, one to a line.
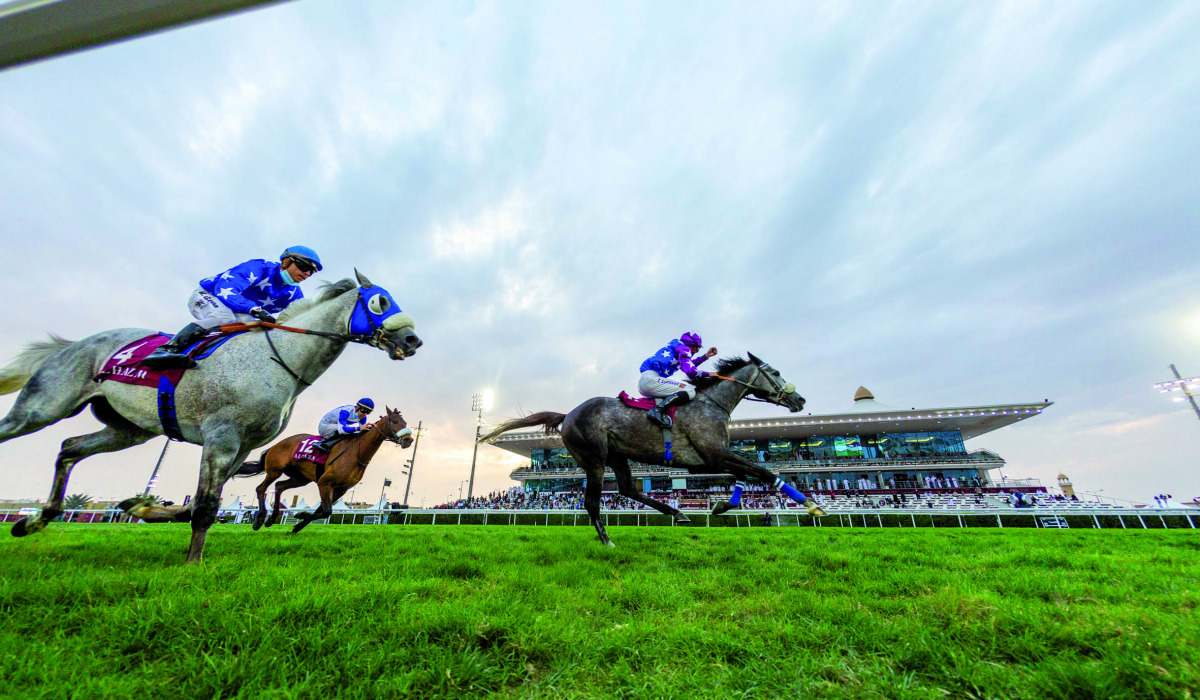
(660,417)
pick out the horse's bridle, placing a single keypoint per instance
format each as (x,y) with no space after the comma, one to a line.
(376,338)
(397,435)
(779,392)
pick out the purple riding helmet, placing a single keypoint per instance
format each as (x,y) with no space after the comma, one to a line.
(692,340)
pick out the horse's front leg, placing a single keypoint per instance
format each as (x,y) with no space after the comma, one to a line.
(743,468)
(222,453)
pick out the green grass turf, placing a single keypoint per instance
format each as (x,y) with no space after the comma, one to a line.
(102,611)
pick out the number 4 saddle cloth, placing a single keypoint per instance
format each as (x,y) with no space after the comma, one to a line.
(125,365)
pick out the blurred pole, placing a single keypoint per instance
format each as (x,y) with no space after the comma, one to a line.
(412,463)
(154,475)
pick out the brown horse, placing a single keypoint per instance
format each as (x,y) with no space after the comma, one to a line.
(343,469)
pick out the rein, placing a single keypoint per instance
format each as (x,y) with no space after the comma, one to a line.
(375,339)
(776,398)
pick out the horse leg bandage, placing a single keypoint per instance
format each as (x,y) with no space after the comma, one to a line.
(791,492)
(736,498)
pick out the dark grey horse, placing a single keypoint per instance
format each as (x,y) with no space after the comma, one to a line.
(238,399)
(603,432)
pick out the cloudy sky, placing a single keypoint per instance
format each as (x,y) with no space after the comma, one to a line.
(951,204)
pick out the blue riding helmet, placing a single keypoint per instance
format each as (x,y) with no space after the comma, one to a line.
(304,253)
(366,403)
(374,306)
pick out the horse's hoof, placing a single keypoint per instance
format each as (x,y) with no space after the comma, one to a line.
(681,518)
(18,529)
(816,510)
(722,507)
(256,525)
(610,544)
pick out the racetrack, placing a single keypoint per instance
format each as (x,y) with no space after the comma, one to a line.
(369,612)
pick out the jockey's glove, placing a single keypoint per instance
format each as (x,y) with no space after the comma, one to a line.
(257,312)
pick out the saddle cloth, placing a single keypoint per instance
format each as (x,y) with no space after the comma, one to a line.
(125,365)
(644,403)
(305,452)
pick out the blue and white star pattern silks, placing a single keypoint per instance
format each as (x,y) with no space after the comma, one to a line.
(253,283)
(375,306)
(666,361)
(343,420)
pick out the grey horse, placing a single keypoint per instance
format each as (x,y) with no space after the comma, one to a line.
(603,432)
(238,399)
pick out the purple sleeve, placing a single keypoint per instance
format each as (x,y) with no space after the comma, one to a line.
(684,357)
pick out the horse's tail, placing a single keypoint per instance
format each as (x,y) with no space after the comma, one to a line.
(17,373)
(548,419)
(253,468)
(250,469)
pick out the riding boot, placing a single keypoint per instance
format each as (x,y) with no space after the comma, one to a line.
(659,414)
(326,444)
(170,355)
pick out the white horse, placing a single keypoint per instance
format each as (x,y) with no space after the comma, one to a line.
(238,399)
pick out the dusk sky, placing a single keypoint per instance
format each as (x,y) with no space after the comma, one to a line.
(952,204)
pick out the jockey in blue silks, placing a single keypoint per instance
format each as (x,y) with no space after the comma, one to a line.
(656,381)
(343,422)
(256,289)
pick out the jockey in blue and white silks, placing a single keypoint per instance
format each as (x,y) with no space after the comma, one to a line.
(657,382)
(343,422)
(254,290)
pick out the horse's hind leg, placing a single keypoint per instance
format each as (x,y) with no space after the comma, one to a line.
(59,389)
(279,489)
(620,468)
(73,450)
(591,500)
(261,490)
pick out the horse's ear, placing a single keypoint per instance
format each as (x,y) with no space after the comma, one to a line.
(362,279)
(754,359)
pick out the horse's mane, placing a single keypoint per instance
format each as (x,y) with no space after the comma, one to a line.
(327,291)
(725,366)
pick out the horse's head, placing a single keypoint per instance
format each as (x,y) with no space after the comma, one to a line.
(394,428)
(378,317)
(769,385)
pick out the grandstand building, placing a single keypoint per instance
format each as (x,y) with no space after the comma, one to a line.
(870,448)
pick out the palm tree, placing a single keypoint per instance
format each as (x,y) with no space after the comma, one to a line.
(76,501)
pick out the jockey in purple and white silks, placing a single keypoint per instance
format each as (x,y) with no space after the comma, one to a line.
(656,381)
(254,290)
(343,422)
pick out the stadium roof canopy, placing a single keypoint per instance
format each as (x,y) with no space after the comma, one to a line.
(31,30)
(866,417)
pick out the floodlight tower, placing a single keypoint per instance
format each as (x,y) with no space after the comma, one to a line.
(479,403)
(1186,386)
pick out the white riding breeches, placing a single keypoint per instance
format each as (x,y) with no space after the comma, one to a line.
(655,386)
(210,312)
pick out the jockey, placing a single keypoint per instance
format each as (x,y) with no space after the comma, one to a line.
(343,422)
(256,289)
(658,368)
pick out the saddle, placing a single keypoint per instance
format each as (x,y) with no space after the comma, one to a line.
(125,366)
(644,403)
